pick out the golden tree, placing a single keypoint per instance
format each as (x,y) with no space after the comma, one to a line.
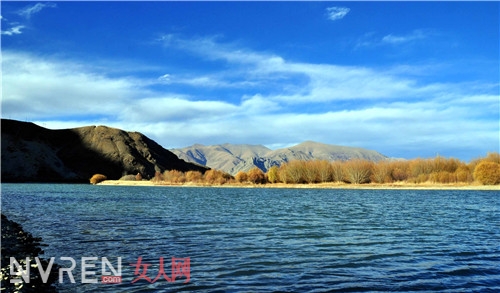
(338,173)
(216,177)
(310,171)
(174,176)
(463,174)
(358,171)
(400,170)
(487,173)
(194,176)
(255,175)
(294,172)
(324,171)
(241,176)
(273,174)
(381,172)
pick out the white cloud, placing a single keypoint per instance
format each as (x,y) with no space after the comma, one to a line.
(30,10)
(395,39)
(386,110)
(165,78)
(296,82)
(41,87)
(16,30)
(336,13)
(209,48)
(26,12)
(372,39)
(175,108)
(207,81)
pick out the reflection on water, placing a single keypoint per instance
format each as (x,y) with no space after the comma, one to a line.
(267,240)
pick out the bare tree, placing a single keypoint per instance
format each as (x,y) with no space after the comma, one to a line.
(358,171)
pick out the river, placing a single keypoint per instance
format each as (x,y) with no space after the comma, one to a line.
(266,240)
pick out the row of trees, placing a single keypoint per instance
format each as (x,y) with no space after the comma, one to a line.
(436,170)
(177,177)
(484,170)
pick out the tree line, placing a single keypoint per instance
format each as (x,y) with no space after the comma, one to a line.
(485,170)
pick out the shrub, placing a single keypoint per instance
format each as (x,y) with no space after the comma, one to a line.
(381,173)
(420,166)
(310,171)
(194,176)
(421,178)
(463,174)
(255,175)
(358,171)
(273,174)
(215,176)
(400,170)
(337,171)
(96,178)
(493,157)
(294,172)
(442,177)
(282,174)
(487,173)
(241,177)
(324,171)
(174,176)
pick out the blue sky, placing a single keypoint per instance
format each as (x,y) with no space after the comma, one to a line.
(407,79)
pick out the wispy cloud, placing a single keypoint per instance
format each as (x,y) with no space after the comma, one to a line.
(295,82)
(30,10)
(336,13)
(373,39)
(16,30)
(398,39)
(17,27)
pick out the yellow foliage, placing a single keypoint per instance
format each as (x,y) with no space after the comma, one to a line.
(241,177)
(256,176)
(487,173)
(96,178)
(273,174)
(194,176)
(358,171)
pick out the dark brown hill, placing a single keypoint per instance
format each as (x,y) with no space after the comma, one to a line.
(31,153)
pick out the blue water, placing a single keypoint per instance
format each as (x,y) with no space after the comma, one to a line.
(270,240)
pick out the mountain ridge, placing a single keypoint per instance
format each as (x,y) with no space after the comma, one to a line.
(31,153)
(233,158)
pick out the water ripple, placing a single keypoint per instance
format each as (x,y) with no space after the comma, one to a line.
(272,240)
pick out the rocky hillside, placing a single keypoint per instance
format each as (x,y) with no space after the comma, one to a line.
(233,158)
(31,153)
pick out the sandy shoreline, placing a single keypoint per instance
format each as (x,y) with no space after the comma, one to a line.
(318,185)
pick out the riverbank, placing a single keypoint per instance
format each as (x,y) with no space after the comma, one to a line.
(329,185)
(20,244)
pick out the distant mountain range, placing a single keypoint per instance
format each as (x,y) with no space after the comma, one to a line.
(31,153)
(233,158)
